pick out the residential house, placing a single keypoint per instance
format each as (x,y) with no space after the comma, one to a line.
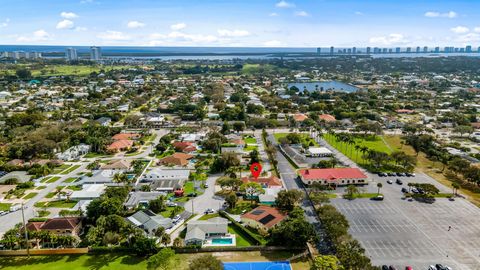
(165,180)
(266,182)
(327,118)
(149,222)
(104,121)
(333,176)
(88,192)
(186,147)
(120,145)
(71,226)
(118,166)
(263,217)
(199,231)
(126,136)
(74,152)
(142,198)
(177,159)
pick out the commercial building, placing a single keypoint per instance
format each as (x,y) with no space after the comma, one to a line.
(333,176)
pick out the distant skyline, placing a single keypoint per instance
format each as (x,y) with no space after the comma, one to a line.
(240,23)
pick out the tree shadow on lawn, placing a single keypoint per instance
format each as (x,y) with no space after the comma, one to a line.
(96,262)
(24,261)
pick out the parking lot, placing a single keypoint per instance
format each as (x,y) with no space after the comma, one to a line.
(400,232)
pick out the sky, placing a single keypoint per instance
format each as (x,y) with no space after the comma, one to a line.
(240,23)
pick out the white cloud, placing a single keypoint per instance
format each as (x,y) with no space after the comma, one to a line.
(460,29)
(114,36)
(178,26)
(86,1)
(436,14)
(301,14)
(80,28)
(39,35)
(135,24)
(176,37)
(68,15)
(65,24)
(284,4)
(233,33)
(477,29)
(391,39)
(359,13)
(4,23)
(273,43)
(273,14)
(469,38)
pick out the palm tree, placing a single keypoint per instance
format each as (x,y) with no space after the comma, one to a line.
(455,187)
(357,148)
(379,186)
(351,190)
(166,239)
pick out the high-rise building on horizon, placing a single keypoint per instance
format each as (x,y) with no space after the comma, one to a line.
(398,50)
(354,50)
(369,50)
(425,49)
(437,49)
(409,49)
(417,50)
(332,49)
(95,53)
(71,54)
(319,50)
(468,49)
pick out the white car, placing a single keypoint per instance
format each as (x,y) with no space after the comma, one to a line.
(171,204)
(390,181)
(209,211)
(176,218)
(432,267)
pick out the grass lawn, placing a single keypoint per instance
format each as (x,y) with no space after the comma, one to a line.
(40,187)
(5,207)
(168,213)
(250,140)
(428,167)
(56,204)
(209,216)
(61,168)
(70,180)
(52,179)
(75,188)
(249,148)
(96,155)
(372,143)
(30,195)
(71,169)
(188,187)
(305,138)
(73,262)
(241,240)
(119,261)
(50,195)
(363,195)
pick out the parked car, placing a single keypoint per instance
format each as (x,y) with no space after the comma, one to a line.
(382,174)
(209,211)
(384,267)
(408,268)
(193,194)
(391,267)
(378,198)
(404,190)
(205,185)
(414,190)
(432,267)
(389,181)
(391,174)
(398,181)
(171,204)
(409,174)
(176,218)
(400,174)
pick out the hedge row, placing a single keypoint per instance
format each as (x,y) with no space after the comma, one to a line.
(248,234)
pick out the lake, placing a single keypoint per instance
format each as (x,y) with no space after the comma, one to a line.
(323,86)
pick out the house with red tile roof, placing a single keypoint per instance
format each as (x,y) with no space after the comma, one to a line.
(70,226)
(300,117)
(186,147)
(120,145)
(405,111)
(263,217)
(333,176)
(126,136)
(327,117)
(177,159)
(266,182)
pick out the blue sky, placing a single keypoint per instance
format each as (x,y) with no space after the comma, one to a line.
(272,23)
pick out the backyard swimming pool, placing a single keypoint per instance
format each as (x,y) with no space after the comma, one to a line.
(222,241)
(257,266)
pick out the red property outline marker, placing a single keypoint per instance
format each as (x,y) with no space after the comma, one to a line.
(256,169)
